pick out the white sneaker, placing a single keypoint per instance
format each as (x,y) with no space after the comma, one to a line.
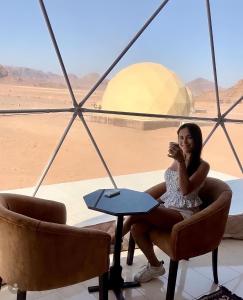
(149,272)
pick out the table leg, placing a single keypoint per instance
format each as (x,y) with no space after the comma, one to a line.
(116,269)
(116,282)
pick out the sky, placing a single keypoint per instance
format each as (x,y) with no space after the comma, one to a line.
(92,33)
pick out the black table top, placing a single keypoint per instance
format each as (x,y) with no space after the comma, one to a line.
(128,202)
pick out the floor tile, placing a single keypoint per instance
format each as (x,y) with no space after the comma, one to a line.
(5,294)
(230,254)
(236,286)
(203,265)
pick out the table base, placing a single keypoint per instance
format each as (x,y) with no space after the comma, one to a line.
(117,290)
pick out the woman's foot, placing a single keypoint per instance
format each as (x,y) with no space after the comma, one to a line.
(149,272)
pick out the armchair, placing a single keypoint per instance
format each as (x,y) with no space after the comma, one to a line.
(195,236)
(38,251)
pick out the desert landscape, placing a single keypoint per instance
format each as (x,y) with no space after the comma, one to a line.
(28,141)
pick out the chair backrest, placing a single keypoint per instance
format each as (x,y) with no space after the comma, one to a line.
(203,231)
(211,190)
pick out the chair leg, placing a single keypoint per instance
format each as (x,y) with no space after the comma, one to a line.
(103,286)
(215,265)
(172,280)
(130,251)
(21,295)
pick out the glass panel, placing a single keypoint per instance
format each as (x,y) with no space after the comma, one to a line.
(76,171)
(88,40)
(228,32)
(135,149)
(205,105)
(235,133)
(26,145)
(236,112)
(30,74)
(152,76)
(89,46)
(218,153)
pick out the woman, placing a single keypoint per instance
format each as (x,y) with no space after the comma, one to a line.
(179,199)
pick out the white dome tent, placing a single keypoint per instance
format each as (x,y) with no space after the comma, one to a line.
(148,87)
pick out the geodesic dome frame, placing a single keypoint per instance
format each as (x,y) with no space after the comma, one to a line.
(78,110)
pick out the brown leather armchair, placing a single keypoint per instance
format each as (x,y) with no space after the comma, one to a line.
(195,236)
(39,252)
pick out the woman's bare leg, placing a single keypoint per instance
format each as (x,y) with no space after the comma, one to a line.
(126,228)
(159,217)
(127,224)
(141,225)
(140,233)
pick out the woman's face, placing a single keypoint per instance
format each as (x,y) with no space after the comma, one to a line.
(185,140)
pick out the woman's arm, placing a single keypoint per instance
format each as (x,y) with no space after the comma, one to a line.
(157,191)
(188,184)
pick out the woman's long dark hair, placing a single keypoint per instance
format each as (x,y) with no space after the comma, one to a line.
(196,135)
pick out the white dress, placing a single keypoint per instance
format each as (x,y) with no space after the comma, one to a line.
(173,197)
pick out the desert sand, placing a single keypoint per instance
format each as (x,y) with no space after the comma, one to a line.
(28,141)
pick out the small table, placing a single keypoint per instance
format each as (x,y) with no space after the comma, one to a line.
(128,202)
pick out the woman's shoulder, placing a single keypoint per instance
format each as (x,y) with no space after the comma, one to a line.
(173,167)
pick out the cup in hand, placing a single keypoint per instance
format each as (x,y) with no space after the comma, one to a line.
(171,146)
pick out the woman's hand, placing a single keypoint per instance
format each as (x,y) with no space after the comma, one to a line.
(175,152)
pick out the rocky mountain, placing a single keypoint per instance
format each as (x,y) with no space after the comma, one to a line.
(32,77)
(228,95)
(200,86)
(233,93)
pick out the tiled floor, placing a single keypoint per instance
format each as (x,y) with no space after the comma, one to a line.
(193,280)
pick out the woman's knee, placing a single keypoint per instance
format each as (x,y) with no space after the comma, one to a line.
(139,229)
(131,220)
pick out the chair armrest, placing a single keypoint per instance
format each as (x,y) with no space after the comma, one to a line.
(157,191)
(36,208)
(203,231)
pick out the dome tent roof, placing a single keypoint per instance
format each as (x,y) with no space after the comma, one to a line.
(147,88)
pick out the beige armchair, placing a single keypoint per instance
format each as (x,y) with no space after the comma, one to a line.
(195,236)
(39,252)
